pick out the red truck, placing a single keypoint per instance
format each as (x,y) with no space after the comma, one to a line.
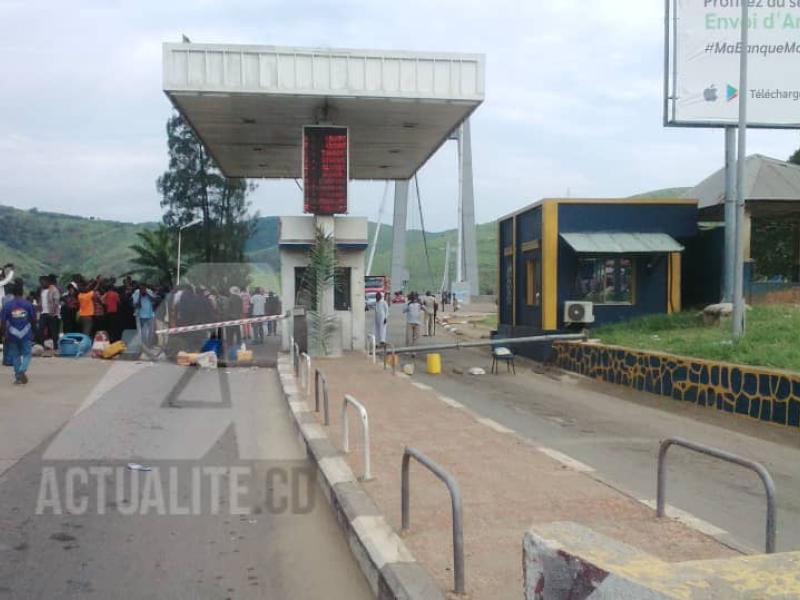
(374,284)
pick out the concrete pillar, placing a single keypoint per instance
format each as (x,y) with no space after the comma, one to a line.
(399,271)
(467,205)
(289,260)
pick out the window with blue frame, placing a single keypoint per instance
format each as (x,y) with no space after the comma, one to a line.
(605,280)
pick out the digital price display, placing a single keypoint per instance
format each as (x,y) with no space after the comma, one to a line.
(325,170)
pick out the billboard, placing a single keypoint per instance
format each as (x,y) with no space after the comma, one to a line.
(703,48)
(325,170)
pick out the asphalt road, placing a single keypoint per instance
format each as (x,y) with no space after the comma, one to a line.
(228,509)
(616,433)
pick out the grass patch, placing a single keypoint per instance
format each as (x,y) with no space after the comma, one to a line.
(772,339)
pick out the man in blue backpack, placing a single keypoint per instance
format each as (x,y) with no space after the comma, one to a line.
(18,320)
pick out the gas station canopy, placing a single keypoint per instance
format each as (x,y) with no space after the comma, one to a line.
(249,104)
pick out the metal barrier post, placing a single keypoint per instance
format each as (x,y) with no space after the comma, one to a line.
(348,399)
(374,347)
(455,499)
(766,478)
(317,377)
(305,374)
(296,355)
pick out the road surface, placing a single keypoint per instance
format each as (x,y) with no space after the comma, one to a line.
(227,510)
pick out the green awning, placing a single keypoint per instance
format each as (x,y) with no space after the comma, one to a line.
(621,243)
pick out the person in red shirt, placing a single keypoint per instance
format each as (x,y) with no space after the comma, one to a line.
(113,321)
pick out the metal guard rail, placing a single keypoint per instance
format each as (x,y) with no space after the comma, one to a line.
(479,343)
(317,377)
(455,499)
(766,478)
(362,411)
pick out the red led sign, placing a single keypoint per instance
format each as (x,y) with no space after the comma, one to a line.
(325,170)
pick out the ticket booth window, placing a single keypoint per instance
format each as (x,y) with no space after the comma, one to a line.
(605,280)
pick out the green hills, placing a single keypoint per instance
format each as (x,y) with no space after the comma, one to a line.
(39,242)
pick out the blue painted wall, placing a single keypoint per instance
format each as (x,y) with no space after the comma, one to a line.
(504,263)
(677,220)
(650,287)
(651,284)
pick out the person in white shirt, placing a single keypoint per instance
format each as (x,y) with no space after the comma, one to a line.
(413,311)
(258,302)
(381,318)
(6,277)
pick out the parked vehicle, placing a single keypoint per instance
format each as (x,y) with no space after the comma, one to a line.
(374,284)
(371,300)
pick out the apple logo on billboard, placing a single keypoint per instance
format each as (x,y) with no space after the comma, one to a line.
(710,93)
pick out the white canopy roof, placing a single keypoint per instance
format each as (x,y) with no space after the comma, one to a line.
(248,103)
(617,242)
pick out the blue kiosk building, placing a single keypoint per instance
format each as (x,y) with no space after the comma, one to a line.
(570,263)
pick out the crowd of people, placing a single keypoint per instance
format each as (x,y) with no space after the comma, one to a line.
(42,314)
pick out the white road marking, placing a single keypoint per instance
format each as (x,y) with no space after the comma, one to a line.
(566,460)
(421,386)
(494,425)
(686,518)
(451,402)
(116,374)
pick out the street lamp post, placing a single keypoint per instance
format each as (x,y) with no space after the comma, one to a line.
(180,231)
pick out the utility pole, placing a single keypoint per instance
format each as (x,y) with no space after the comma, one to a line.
(738,317)
(730,214)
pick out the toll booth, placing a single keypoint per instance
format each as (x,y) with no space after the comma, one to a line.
(350,237)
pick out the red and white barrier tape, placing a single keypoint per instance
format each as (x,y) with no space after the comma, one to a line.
(207,326)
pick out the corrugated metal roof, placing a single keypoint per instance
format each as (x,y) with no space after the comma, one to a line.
(765,179)
(621,243)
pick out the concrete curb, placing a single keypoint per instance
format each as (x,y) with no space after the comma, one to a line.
(381,554)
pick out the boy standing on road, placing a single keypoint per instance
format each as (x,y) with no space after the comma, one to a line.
(258,302)
(50,303)
(413,311)
(145,313)
(429,308)
(17,320)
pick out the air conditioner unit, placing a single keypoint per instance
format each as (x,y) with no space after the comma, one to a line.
(578,312)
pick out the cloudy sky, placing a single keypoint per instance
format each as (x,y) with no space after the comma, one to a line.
(573,98)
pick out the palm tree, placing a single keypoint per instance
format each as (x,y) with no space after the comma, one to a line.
(155,255)
(320,279)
